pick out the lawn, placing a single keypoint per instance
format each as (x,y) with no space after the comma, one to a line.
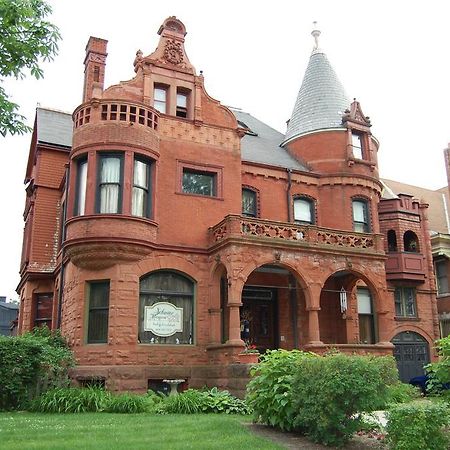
(121,431)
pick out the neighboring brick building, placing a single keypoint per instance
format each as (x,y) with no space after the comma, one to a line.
(168,228)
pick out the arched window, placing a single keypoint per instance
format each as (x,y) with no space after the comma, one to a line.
(361,215)
(410,242)
(304,211)
(249,202)
(166,312)
(392,241)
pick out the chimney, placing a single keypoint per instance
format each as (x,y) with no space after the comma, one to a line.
(94,68)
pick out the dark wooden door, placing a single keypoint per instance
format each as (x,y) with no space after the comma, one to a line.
(259,318)
(411,353)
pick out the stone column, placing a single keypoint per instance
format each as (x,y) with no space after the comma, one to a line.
(234,325)
(313,325)
(214,325)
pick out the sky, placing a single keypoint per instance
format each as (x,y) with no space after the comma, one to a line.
(392,56)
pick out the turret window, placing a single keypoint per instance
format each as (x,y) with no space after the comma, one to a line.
(357,145)
(410,242)
(109,184)
(361,216)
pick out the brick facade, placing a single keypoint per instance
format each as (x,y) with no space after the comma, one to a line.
(283,276)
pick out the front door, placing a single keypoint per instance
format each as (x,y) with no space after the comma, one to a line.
(411,353)
(259,318)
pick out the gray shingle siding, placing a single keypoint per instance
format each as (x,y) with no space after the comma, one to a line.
(54,127)
(321,101)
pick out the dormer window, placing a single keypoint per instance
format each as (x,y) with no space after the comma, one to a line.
(357,145)
(182,101)
(160,99)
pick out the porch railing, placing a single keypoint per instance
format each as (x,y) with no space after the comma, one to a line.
(241,227)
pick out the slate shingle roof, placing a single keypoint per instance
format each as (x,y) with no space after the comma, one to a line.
(321,101)
(264,147)
(54,127)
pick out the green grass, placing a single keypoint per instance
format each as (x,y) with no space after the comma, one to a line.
(122,431)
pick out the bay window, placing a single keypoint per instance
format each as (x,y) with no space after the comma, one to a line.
(140,204)
(80,200)
(109,193)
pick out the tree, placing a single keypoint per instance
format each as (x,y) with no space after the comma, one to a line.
(26,39)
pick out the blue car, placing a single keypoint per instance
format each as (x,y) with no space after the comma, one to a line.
(421,382)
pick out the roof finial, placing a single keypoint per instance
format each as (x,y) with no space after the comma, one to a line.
(315,33)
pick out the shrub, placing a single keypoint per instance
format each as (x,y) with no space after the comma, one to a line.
(72,400)
(128,404)
(439,372)
(402,393)
(269,393)
(329,392)
(30,364)
(418,426)
(194,401)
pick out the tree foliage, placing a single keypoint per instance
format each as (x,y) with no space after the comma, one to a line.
(26,40)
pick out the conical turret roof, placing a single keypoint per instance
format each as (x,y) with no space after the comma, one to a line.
(321,101)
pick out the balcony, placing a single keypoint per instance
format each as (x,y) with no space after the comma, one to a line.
(245,229)
(405,266)
(111,121)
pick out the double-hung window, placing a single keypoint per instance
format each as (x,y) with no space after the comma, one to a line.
(80,200)
(160,99)
(98,311)
(249,202)
(140,205)
(109,194)
(360,216)
(405,302)
(182,104)
(357,145)
(442,276)
(304,210)
(365,316)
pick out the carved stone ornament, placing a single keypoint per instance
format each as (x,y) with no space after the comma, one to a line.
(95,57)
(173,52)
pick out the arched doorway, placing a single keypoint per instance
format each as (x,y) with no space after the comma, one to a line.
(347,310)
(273,312)
(411,353)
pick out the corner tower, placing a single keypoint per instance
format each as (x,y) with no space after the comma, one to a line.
(326,130)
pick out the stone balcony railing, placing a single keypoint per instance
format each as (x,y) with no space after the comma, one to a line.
(116,111)
(244,228)
(110,122)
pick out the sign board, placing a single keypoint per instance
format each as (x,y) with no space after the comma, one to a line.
(163,319)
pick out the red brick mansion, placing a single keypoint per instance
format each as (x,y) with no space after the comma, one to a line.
(163,229)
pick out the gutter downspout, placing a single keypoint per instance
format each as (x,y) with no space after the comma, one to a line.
(63,238)
(288,195)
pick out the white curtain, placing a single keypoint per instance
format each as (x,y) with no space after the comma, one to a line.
(140,189)
(109,185)
(302,210)
(81,195)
